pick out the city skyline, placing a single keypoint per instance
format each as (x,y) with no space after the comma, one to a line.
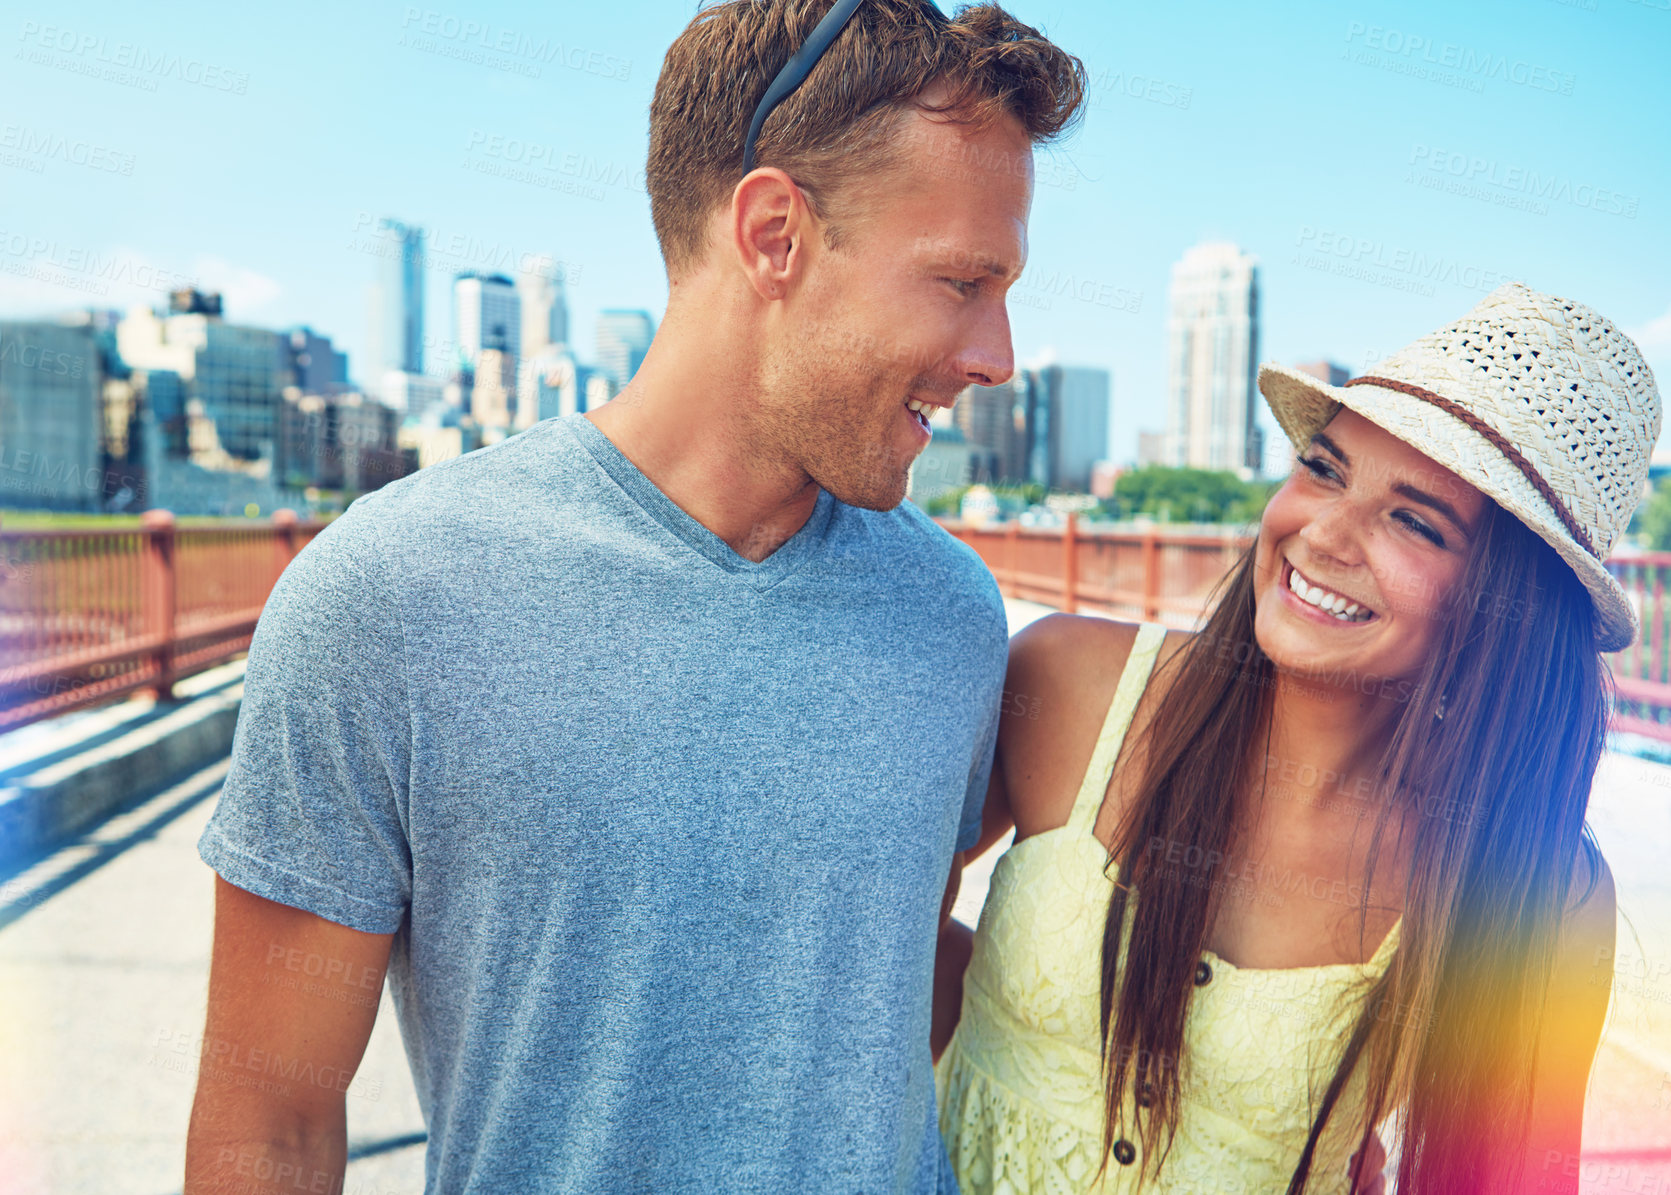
(1383,191)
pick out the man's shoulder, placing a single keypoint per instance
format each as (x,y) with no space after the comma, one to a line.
(479,489)
(936,556)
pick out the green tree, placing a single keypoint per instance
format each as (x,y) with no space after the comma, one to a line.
(1184,495)
(1653,518)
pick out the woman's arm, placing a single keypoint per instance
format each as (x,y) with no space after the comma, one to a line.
(1060,675)
(1579,986)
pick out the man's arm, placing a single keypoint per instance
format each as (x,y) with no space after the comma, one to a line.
(292,999)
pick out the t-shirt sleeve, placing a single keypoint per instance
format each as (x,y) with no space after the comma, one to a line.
(312,814)
(996,645)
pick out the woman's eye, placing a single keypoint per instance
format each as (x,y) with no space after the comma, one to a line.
(1317,465)
(1422,529)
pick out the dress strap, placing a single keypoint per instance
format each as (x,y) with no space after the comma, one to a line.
(1133,678)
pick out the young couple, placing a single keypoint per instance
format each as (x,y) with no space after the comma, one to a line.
(643,749)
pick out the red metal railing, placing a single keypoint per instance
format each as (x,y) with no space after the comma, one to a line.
(88,615)
(1160,575)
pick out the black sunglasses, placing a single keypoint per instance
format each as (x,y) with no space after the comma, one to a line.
(796,70)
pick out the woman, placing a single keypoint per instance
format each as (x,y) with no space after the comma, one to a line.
(1343,855)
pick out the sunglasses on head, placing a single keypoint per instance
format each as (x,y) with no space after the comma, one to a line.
(796,70)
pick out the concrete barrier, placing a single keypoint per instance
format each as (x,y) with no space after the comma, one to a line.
(47,808)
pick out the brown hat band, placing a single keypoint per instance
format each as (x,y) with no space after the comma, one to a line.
(1497,441)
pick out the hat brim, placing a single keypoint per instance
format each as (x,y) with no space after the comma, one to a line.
(1303,405)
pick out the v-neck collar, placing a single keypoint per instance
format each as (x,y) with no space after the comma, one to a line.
(761,574)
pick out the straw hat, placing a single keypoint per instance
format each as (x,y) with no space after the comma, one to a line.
(1537,402)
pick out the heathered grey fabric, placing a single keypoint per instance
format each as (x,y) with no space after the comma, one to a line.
(661,832)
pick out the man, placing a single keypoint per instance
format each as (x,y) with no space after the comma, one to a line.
(638,746)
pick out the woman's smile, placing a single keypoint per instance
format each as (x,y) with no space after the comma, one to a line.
(1319,603)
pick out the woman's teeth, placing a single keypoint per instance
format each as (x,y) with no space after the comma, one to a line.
(1329,603)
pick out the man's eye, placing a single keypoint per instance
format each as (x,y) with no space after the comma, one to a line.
(964,286)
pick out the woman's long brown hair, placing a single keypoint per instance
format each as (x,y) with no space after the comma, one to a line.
(1495,794)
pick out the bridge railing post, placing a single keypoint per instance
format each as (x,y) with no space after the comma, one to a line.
(161,595)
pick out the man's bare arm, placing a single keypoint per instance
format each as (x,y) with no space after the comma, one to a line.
(292,999)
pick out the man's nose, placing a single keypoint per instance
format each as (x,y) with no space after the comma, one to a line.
(989,358)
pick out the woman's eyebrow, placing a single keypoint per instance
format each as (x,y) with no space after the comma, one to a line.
(1405,488)
(1438,504)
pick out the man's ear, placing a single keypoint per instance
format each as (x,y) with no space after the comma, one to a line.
(770,221)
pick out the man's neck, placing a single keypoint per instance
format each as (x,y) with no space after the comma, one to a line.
(686,421)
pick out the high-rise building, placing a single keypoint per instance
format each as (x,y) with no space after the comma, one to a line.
(397,300)
(51,417)
(623,337)
(411,394)
(340,441)
(1326,372)
(1067,425)
(993,420)
(487,315)
(315,363)
(944,464)
(545,308)
(233,377)
(487,328)
(1213,360)
(545,339)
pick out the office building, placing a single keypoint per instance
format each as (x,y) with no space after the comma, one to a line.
(947,463)
(993,420)
(232,376)
(1066,424)
(411,394)
(397,300)
(315,364)
(340,441)
(1326,372)
(51,417)
(487,327)
(623,337)
(1212,362)
(545,309)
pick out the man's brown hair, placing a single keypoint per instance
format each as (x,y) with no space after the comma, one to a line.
(836,129)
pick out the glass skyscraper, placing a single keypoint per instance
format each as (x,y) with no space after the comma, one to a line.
(397,300)
(623,339)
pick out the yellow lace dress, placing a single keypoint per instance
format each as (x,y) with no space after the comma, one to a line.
(1020,1085)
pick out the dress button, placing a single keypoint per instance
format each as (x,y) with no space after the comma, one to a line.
(1203,974)
(1124,1152)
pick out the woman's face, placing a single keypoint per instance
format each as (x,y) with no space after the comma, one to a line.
(1369,518)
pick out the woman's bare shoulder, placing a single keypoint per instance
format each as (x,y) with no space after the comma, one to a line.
(1063,671)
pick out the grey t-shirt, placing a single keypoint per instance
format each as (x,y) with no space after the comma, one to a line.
(661,832)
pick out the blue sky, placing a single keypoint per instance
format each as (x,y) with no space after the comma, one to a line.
(1387,163)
